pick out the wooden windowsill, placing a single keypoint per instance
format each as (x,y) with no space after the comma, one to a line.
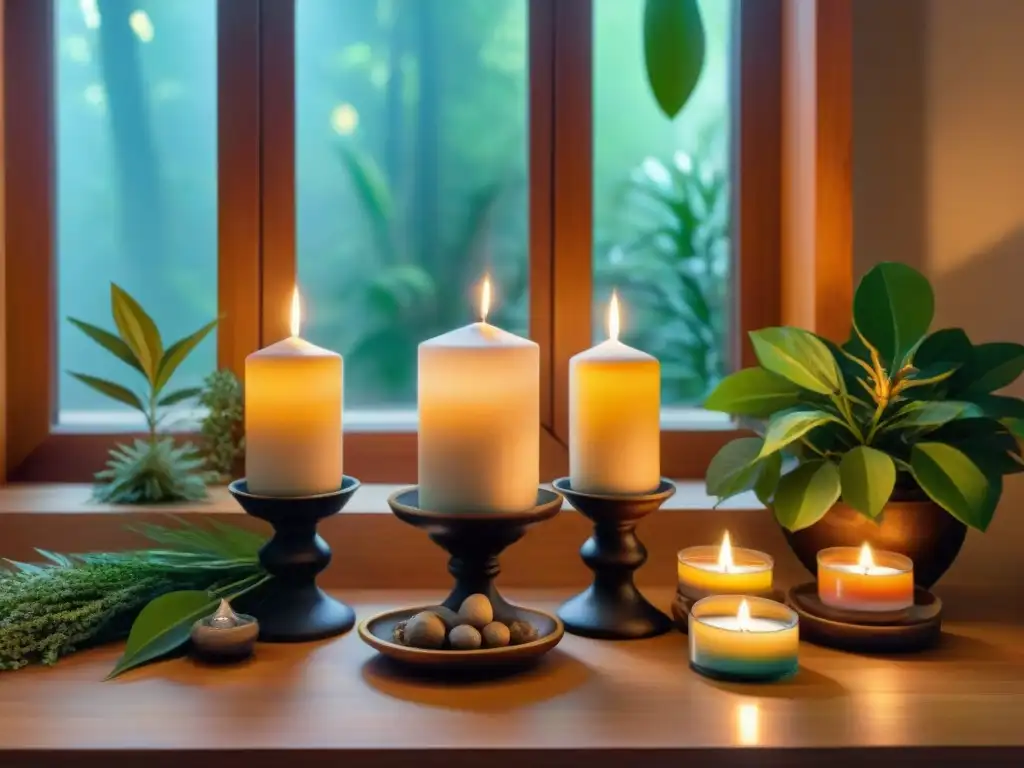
(371,498)
(590,703)
(374,550)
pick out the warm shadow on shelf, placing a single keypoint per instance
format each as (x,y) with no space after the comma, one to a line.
(554,675)
(805,685)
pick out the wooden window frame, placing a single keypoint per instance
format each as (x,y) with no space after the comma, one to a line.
(790,148)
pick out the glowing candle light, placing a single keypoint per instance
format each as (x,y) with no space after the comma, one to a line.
(865,580)
(743,638)
(293,405)
(724,570)
(614,416)
(479,418)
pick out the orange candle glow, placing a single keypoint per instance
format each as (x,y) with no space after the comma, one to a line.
(864,580)
(724,570)
(614,417)
(293,397)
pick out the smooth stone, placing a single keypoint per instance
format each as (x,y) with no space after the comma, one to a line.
(465,638)
(476,610)
(496,635)
(425,630)
(522,632)
(447,615)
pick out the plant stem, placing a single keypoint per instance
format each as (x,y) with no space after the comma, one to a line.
(850,423)
(151,420)
(813,447)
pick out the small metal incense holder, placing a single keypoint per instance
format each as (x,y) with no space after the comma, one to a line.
(473,541)
(291,608)
(224,636)
(612,608)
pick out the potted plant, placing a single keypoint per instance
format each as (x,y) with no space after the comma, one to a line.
(894,438)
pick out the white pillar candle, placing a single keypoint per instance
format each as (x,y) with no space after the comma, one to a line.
(479,419)
(293,433)
(614,417)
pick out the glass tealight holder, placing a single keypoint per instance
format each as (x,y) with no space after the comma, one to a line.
(882,584)
(743,638)
(702,572)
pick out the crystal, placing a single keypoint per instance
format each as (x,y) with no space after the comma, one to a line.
(224,618)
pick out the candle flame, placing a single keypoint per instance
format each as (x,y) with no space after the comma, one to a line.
(725,561)
(743,616)
(296,311)
(485,298)
(613,317)
(866,561)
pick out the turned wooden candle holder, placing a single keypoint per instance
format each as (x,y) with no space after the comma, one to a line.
(473,541)
(291,608)
(612,608)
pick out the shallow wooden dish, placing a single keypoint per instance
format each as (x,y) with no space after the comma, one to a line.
(917,629)
(376,631)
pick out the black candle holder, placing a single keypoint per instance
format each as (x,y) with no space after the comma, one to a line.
(612,608)
(473,541)
(291,608)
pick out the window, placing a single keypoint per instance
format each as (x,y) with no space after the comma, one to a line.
(135,95)
(411,181)
(662,206)
(383,154)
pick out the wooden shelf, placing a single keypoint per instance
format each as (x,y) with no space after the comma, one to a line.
(962,703)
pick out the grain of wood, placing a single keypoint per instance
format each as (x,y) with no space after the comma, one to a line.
(589,695)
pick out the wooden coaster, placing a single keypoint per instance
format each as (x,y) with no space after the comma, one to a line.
(898,632)
(682,604)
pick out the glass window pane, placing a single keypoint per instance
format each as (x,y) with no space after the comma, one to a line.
(411,163)
(136,191)
(662,212)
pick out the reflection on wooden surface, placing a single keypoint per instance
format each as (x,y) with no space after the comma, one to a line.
(586,694)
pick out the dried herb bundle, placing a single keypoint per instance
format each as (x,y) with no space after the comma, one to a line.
(74,601)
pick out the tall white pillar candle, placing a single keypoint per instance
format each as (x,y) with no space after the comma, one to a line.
(293,433)
(614,417)
(479,419)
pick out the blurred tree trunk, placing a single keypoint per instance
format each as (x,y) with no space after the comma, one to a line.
(394,116)
(138,176)
(425,219)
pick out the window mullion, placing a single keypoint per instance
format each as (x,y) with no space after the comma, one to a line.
(277,164)
(572,183)
(238,181)
(541,140)
(30,244)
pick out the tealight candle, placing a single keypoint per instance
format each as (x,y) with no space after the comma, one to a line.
(863,580)
(743,638)
(724,570)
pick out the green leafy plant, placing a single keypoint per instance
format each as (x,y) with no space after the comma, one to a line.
(223,426)
(895,411)
(151,470)
(70,602)
(674,50)
(416,292)
(673,269)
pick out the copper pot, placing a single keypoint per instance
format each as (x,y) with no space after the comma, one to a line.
(921,530)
